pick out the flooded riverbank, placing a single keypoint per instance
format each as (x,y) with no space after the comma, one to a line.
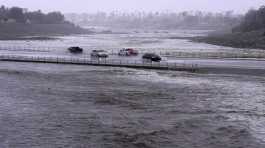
(50,105)
(46,105)
(151,41)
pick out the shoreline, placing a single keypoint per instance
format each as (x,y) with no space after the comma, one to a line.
(35,38)
(17,31)
(246,40)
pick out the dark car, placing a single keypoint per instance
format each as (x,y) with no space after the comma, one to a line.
(75,49)
(152,57)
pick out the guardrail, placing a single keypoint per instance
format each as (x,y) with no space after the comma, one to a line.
(214,55)
(102,62)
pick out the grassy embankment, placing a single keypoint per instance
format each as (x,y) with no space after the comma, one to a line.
(252,39)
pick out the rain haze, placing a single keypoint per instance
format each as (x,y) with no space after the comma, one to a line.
(132,73)
(88,6)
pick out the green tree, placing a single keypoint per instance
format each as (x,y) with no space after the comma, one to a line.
(17,14)
(54,18)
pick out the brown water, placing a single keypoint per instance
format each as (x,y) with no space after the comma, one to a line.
(46,105)
(153,40)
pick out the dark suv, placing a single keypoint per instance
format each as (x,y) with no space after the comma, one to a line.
(75,49)
(152,57)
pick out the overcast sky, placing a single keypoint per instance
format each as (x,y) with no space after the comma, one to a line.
(79,6)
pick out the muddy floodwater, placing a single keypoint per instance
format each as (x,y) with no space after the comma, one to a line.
(48,105)
(71,106)
(144,41)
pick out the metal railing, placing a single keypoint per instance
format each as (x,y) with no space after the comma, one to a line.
(102,62)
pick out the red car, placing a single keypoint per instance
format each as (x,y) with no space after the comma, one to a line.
(128,52)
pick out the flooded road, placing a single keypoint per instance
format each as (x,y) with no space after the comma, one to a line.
(48,105)
(152,41)
(233,63)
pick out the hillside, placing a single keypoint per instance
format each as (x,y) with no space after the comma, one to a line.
(249,34)
(17,22)
(252,39)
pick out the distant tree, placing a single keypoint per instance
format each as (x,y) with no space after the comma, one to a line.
(3,12)
(35,17)
(23,16)
(17,14)
(54,18)
(161,20)
(253,20)
(261,15)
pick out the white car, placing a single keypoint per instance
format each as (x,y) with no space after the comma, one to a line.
(124,52)
(99,54)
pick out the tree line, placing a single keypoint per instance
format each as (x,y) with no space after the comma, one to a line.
(21,15)
(253,20)
(169,20)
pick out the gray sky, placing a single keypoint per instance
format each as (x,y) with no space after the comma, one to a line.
(79,6)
